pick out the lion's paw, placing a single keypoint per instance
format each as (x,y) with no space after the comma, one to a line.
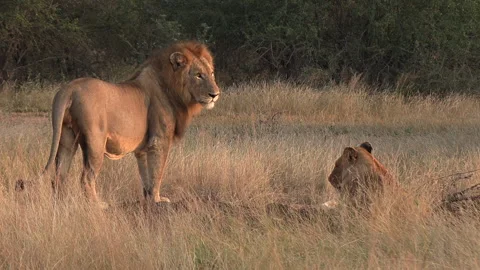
(103,205)
(332,204)
(163,200)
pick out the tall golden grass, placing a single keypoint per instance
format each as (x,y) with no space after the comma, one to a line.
(263,143)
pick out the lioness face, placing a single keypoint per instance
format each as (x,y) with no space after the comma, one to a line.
(342,171)
(359,176)
(351,167)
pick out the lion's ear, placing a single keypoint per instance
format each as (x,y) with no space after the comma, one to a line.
(367,146)
(178,60)
(350,153)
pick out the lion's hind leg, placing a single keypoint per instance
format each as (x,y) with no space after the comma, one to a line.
(66,151)
(93,155)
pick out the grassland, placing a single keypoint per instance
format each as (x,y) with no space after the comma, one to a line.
(261,144)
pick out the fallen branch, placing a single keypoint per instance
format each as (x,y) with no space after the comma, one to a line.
(462,193)
(459,173)
(470,198)
(461,196)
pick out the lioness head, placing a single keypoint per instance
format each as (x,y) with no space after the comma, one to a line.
(194,65)
(357,171)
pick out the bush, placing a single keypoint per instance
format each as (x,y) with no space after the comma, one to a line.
(431,44)
(64,39)
(428,45)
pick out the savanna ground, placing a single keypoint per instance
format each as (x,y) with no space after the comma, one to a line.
(261,144)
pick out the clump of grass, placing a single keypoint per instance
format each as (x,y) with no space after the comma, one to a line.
(28,97)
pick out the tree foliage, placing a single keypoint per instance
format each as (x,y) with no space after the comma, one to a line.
(427,44)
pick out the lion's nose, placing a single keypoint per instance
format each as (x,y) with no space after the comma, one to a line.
(213,95)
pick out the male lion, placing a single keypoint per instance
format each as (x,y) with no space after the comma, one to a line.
(142,115)
(358,175)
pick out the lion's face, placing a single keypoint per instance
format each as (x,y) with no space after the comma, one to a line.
(354,165)
(198,79)
(343,170)
(201,83)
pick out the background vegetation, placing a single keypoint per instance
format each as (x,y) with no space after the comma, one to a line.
(249,154)
(426,45)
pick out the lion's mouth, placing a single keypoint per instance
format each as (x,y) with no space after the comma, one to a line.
(207,104)
(335,183)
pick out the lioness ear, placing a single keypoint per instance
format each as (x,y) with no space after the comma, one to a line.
(178,60)
(367,146)
(350,153)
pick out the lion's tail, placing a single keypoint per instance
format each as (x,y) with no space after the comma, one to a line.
(61,101)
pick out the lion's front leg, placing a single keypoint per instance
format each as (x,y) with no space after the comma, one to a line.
(157,155)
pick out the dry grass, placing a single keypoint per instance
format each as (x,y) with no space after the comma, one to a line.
(261,144)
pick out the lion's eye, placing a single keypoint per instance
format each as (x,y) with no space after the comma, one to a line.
(213,74)
(199,76)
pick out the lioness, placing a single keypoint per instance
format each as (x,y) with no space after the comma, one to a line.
(142,115)
(357,174)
